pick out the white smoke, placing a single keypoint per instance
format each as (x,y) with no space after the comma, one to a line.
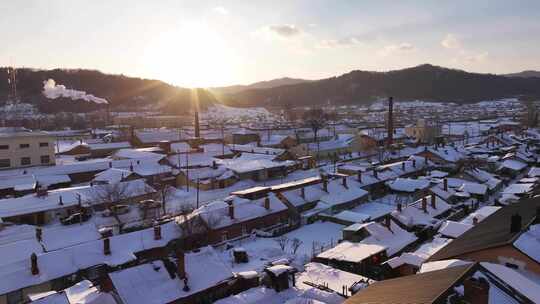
(52,90)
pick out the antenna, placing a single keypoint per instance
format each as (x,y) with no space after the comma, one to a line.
(12,84)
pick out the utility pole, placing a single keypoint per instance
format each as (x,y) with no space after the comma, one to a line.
(197,193)
(187,171)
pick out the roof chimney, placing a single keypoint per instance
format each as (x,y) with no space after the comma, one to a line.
(131,167)
(39,234)
(231,210)
(325,184)
(344,182)
(388,221)
(399,207)
(303,193)
(476,291)
(375,174)
(515,223)
(267,203)
(34,264)
(107,246)
(475,220)
(424,204)
(414,163)
(110,164)
(197,130)
(445,184)
(433,201)
(402,166)
(359,176)
(157,232)
(180,264)
(60,200)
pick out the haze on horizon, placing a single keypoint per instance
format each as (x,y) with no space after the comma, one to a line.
(216,43)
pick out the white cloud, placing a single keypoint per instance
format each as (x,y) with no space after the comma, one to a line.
(221,10)
(394,48)
(284,30)
(451,41)
(479,57)
(337,43)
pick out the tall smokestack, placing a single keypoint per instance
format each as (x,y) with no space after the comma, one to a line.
(197,130)
(390,139)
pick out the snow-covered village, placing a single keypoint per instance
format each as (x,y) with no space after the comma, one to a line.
(194,181)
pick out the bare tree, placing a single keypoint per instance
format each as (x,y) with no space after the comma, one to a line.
(315,119)
(194,228)
(164,194)
(282,242)
(220,123)
(108,196)
(295,244)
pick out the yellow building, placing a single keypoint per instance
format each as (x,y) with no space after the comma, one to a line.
(25,148)
(423,131)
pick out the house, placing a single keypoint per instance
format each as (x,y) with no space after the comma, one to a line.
(443,156)
(279,141)
(470,283)
(114,175)
(188,280)
(408,185)
(452,229)
(507,237)
(20,149)
(231,218)
(426,212)
(82,292)
(257,167)
(95,150)
(365,246)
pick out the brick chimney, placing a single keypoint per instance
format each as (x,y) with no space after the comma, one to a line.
(344,182)
(414,163)
(325,184)
(180,264)
(231,210)
(515,223)
(474,220)
(110,164)
(476,291)
(60,200)
(424,204)
(375,174)
(445,184)
(157,232)
(131,167)
(303,193)
(387,221)
(267,203)
(359,176)
(34,264)
(42,191)
(107,246)
(39,234)
(399,207)
(433,201)
(402,166)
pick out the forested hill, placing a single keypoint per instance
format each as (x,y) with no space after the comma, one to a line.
(122,92)
(425,82)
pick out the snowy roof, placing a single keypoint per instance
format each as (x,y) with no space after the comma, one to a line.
(474,188)
(150,283)
(408,184)
(334,279)
(454,229)
(413,214)
(180,147)
(255,149)
(260,295)
(216,213)
(421,254)
(448,153)
(70,197)
(344,196)
(380,239)
(192,159)
(112,175)
(534,172)
(480,214)
(529,242)
(518,188)
(249,162)
(155,136)
(108,146)
(513,165)
(136,154)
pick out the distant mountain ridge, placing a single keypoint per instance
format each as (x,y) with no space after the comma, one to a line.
(259,85)
(424,82)
(525,74)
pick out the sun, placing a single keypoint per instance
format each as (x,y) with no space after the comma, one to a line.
(193,55)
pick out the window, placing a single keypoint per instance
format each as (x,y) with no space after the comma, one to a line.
(43,144)
(4,147)
(5,163)
(510,265)
(25,161)
(24,146)
(45,159)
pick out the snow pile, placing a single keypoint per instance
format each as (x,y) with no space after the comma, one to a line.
(52,91)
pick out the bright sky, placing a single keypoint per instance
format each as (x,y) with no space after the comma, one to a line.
(213,43)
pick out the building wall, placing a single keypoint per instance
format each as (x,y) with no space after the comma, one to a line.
(503,255)
(11,149)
